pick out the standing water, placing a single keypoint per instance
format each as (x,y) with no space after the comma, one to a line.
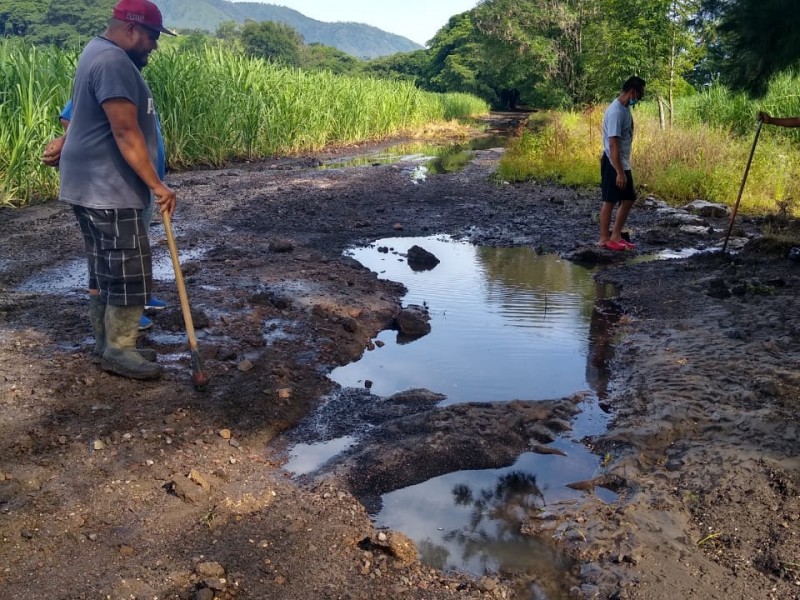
(506,324)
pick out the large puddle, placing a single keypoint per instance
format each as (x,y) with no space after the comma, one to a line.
(506,324)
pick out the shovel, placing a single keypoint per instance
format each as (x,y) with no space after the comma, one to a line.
(199,378)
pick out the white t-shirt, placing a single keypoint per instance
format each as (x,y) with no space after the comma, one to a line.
(618,122)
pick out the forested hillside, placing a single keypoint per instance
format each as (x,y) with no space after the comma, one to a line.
(355,39)
(66,23)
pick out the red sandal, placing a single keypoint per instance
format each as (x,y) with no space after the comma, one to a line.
(615,246)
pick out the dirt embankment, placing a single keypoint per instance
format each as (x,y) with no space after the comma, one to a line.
(112,488)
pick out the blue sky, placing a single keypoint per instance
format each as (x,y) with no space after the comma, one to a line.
(418,20)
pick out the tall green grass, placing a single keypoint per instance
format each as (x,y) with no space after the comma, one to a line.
(703,156)
(215,106)
(34,85)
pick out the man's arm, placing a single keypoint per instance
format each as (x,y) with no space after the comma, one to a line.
(52,152)
(616,161)
(780,122)
(122,116)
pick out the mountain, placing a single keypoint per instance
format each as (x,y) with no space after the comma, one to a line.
(357,39)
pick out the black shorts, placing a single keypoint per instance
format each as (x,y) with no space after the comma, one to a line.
(608,183)
(118,254)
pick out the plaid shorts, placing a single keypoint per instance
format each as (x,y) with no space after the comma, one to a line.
(118,254)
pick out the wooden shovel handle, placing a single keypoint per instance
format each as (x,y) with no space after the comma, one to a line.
(176,266)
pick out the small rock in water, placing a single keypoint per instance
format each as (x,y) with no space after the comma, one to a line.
(420,259)
(414,321)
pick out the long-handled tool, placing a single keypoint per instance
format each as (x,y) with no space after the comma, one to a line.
(741,188)
(199,378)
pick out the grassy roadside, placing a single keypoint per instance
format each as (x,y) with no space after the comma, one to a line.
(699,157)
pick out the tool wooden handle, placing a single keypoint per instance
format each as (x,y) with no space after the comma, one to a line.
(741,188)
(176,266)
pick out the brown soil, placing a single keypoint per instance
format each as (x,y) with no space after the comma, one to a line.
(111,488)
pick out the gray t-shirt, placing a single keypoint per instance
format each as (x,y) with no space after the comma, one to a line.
(618,122)
(94,173)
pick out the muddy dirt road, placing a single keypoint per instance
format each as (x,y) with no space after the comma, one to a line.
(117,489)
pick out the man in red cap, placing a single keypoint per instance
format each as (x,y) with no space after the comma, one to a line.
(108,173)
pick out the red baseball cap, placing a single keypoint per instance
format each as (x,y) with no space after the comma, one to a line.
(141,12)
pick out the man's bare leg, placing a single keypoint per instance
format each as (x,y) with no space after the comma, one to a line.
(619,220)
(605,221)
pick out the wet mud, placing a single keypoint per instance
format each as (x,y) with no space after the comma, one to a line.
(120,489)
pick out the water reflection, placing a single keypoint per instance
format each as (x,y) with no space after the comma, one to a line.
(472,520)
(306,458)
(434,159)
(604,315)
(507,324)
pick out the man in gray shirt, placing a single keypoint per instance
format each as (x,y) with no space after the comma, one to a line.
(107,173)
(616,180)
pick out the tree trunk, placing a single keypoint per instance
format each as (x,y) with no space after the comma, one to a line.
(661,116)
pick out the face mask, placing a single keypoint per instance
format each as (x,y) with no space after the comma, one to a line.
(632,102)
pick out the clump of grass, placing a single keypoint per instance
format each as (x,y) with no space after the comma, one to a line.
(33,89)
(555,148)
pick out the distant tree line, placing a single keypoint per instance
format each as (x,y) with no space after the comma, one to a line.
(63,23)
(543,53)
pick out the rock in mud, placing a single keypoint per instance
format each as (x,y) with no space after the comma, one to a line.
(210,569)
(281,246)
(704,208)
(717,288)
(397,545)
(417,396)
(200,479)
(186,490)
(204,594)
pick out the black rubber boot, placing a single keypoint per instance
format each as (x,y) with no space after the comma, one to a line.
(120,355)
(97,317)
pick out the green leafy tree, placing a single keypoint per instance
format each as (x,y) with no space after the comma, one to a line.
(458,59)
(518,40)
(652,39)
(274,41)
(194,40)
(756,39)
(228,30)
(414,66)
(54,21)
(318,57)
